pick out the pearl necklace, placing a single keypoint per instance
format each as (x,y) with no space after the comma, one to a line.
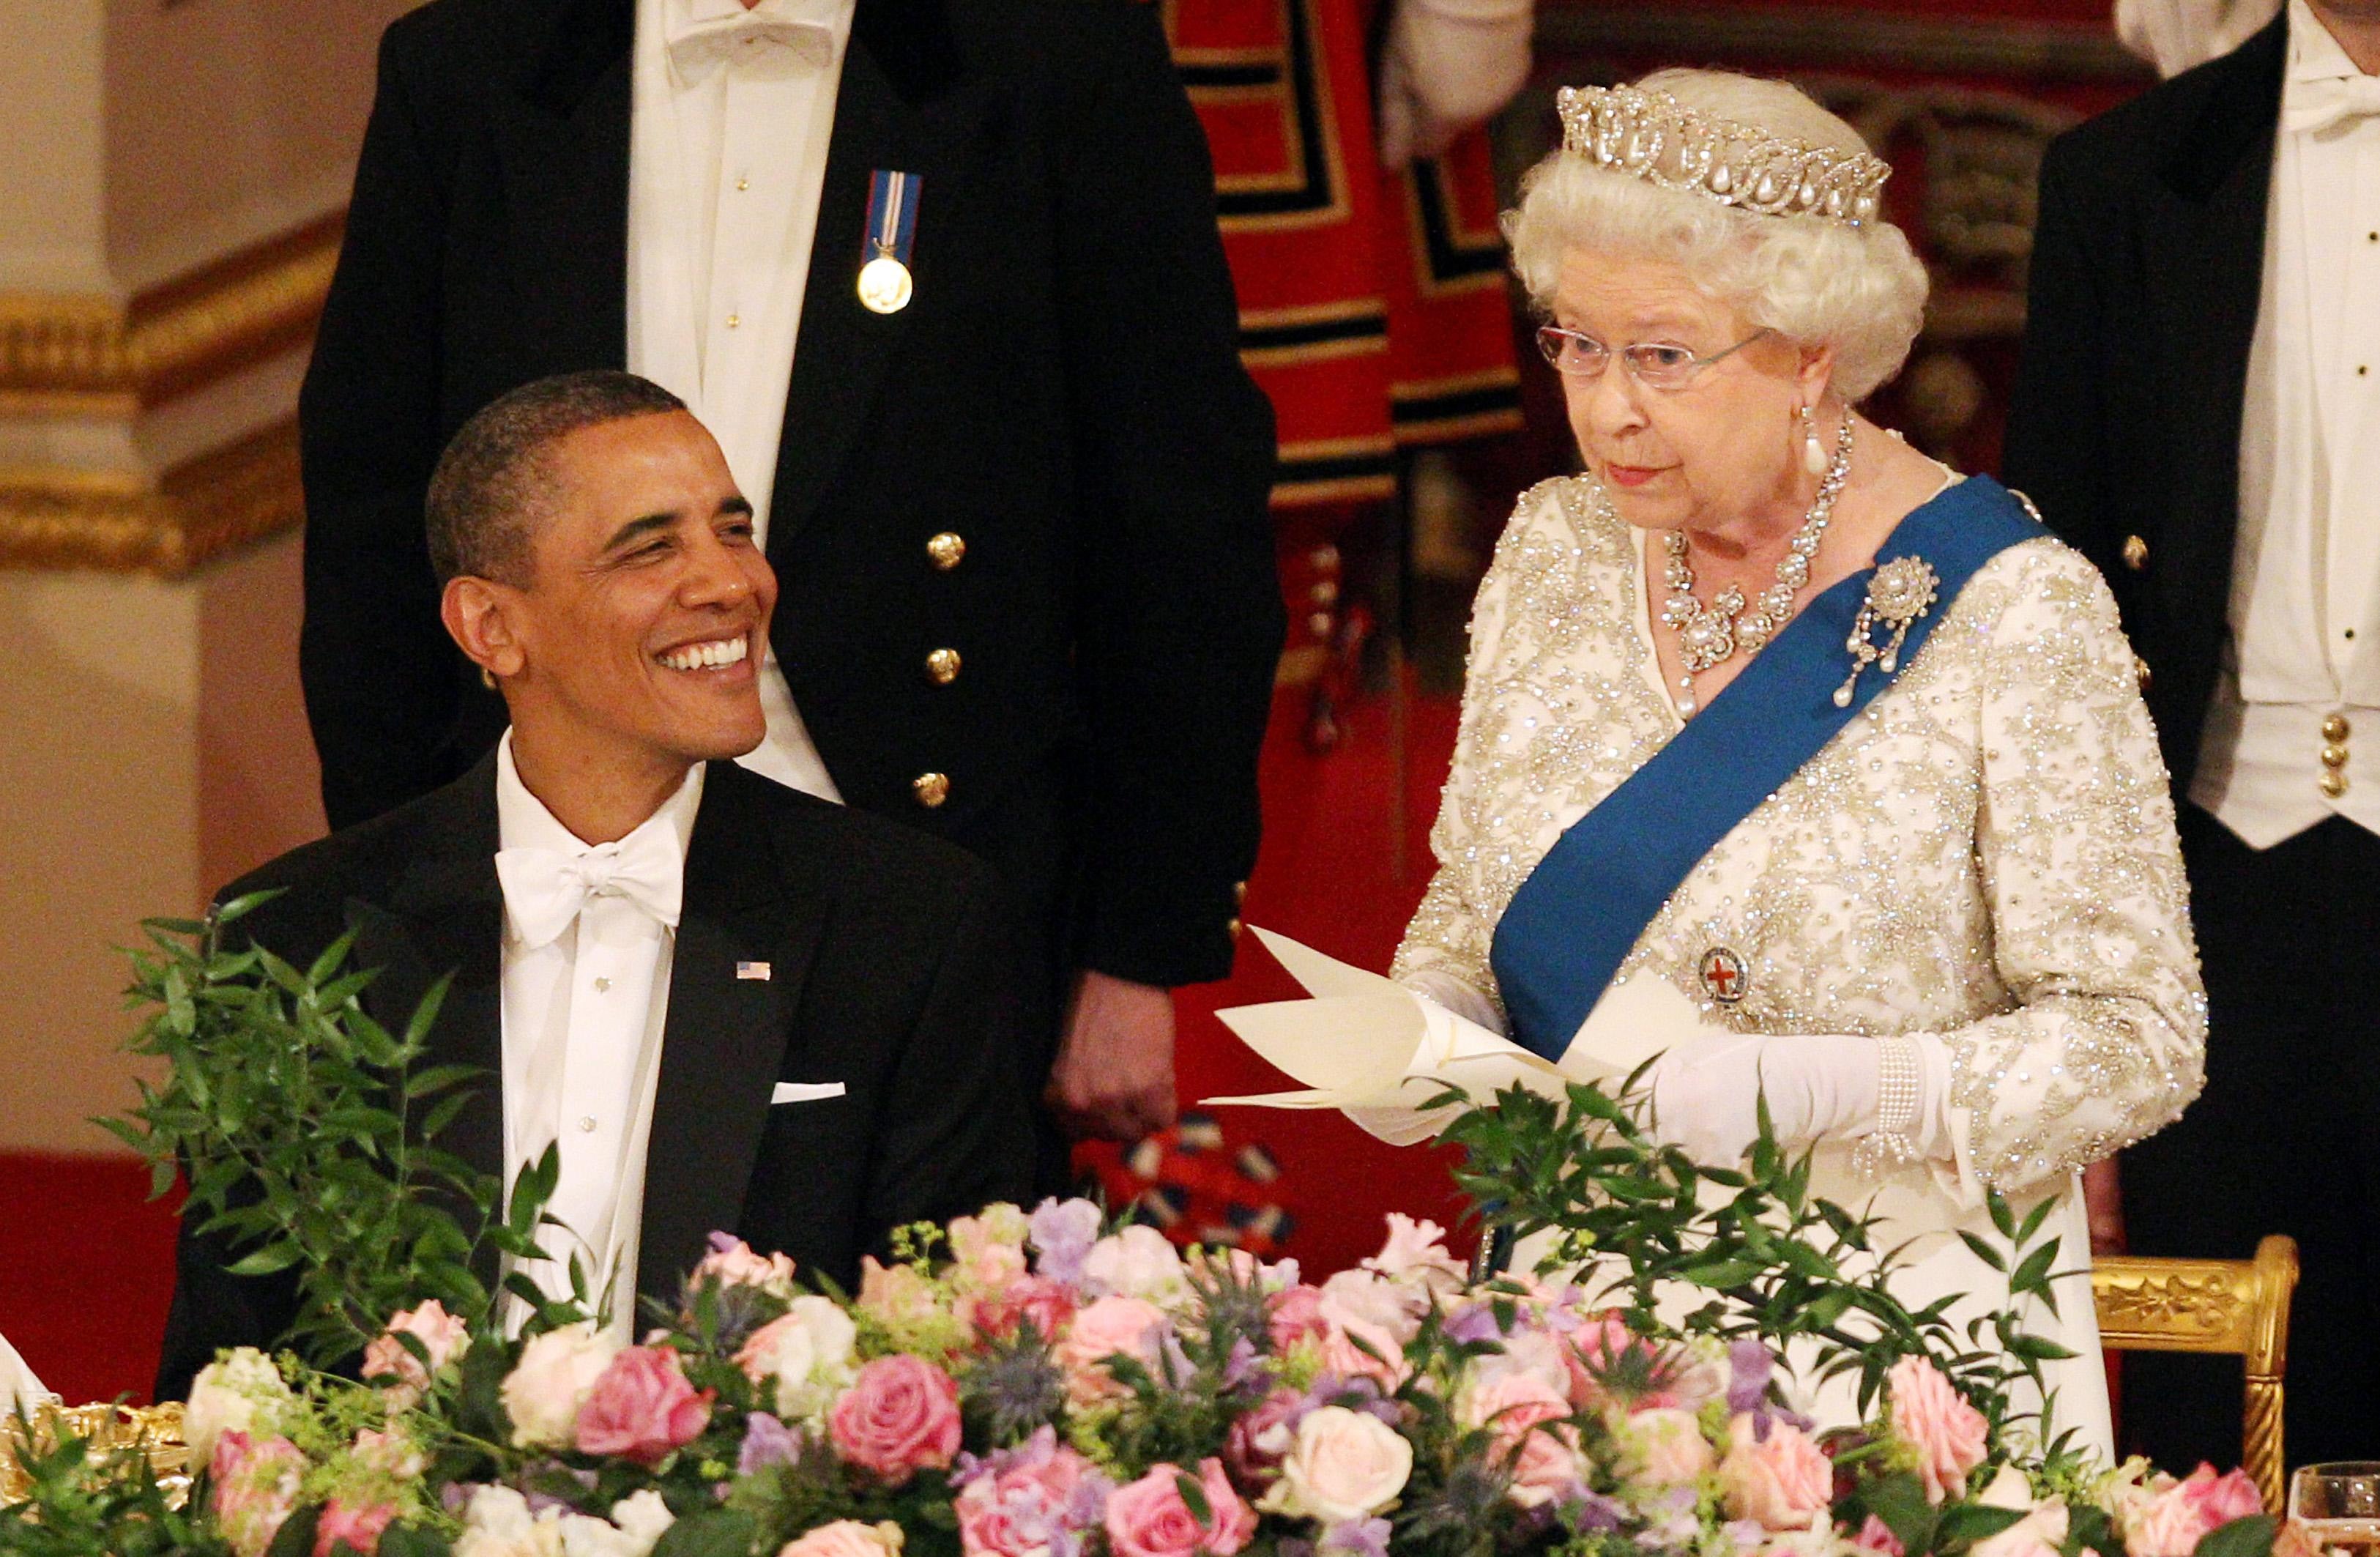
(1710,635)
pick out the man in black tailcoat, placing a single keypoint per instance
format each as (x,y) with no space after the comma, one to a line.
(2196,412)
(1015,495)
(730,1004)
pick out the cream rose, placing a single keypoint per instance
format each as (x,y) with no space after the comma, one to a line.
(1665,1446)
(1137,1262)
(241,1392)
(1341,1465)
(556,1372)
(809,1353)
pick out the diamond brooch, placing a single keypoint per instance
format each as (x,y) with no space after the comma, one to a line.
(1903,590)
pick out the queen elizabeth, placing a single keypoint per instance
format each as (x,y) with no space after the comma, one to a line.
(1837,750)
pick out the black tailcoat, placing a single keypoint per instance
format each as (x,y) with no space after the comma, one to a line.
(1064,394)
(2147,276)
(885,972)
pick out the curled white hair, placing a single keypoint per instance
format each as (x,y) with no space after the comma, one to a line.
(1859,289)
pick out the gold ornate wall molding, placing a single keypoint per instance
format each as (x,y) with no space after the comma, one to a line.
(199,511)
(85,355)
(94,358)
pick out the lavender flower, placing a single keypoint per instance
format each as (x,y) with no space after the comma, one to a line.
(1592,1511)
(767,1442)
(1472,1323)
(1358,1538)
(1063,1231)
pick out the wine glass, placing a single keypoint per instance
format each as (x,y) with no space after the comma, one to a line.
(2339,1503)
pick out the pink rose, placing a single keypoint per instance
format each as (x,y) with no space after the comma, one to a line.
(988,1251)
(1599,1341)
(1667,1446)
(1016,1513)
(1780,1481)
(1259,1438)
(2221,1498)
(442,1335)
(1546,1466)
(1510,1405)
(1417,1250)
(1877,1536)
(900,1416)
(1000,1315)
(359,1527)
(255,1488)
(1933,1417)
(1110,1325)
(734,1262)
(390,1453)
(847,1537)
(642,1408)
(1296,1313)
(1150,1519)
(894,1296)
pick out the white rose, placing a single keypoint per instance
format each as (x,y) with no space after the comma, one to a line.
(2043,1528)
(545,1391)
(643,1519)
(808,1351)
(1370,1298)
(1137,1262)
(1416,1251)
(1342,1464)
(498,1524)
(242,1393)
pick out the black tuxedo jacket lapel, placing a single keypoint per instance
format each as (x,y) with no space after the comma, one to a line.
(901,106)
(2203,260)
(723,1045)
(564,142)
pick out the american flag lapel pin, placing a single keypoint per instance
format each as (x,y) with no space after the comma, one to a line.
(752,970)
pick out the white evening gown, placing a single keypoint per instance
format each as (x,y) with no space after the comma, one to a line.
(1984,854)
(18,1385)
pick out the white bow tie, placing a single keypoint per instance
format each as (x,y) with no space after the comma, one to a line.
(2317,105)
(544,889)
(697,48)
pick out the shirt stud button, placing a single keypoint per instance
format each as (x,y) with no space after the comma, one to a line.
(735,320)
(743,183)
(586,1126)
(602,986)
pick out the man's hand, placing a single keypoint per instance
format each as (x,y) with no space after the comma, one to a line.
(2103,1202)
(1113,1077)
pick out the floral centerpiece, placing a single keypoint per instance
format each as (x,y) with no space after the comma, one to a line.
(1044,1384)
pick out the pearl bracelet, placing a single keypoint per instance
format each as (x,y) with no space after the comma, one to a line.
(1898,1091)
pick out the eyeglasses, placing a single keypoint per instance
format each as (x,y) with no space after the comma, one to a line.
(1654,364)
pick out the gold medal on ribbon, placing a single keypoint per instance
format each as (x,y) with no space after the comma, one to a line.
(884,284)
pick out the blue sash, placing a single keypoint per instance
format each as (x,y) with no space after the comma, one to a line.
(1582,909)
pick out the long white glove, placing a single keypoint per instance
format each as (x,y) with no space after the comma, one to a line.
(1447,65)
(1821,1087)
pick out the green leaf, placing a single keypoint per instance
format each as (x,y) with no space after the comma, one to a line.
(1193,1498)
(1965,1524)
(413,1540)
(726,1532)
(272,1258)
(2251,1536)
(1984,1250)
(296,1536)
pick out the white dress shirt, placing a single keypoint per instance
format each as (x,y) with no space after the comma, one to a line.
(731,113)
(2298,705)
(582,1017)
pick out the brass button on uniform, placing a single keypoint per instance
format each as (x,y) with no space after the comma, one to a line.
(2334,783)
(945,550)
(2136,553)
(1239,893)
(2336,728)
(942,664)
(2334,756)
(931,789)
(1235,928)
(2141,675)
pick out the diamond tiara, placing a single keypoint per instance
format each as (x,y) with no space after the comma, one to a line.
(1652,136)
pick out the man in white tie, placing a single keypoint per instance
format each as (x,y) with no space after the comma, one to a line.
(731,1004)
(2199,412)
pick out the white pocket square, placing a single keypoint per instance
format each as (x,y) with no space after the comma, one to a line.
(804,1092)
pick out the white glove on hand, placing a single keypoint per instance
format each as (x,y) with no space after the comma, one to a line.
(1447,65)
(1820,1086)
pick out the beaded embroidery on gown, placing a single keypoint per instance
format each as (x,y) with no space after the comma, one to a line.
(1986,853)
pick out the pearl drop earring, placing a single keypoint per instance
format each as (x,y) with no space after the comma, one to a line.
(1814,453)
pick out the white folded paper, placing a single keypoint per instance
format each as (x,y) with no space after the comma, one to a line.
(1378,1052)
(18,1385)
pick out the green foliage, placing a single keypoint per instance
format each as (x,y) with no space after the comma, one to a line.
(1779,1262)
(309,1132)
(79,1508)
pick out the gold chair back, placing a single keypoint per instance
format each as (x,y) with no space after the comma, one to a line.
(2237,1307)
